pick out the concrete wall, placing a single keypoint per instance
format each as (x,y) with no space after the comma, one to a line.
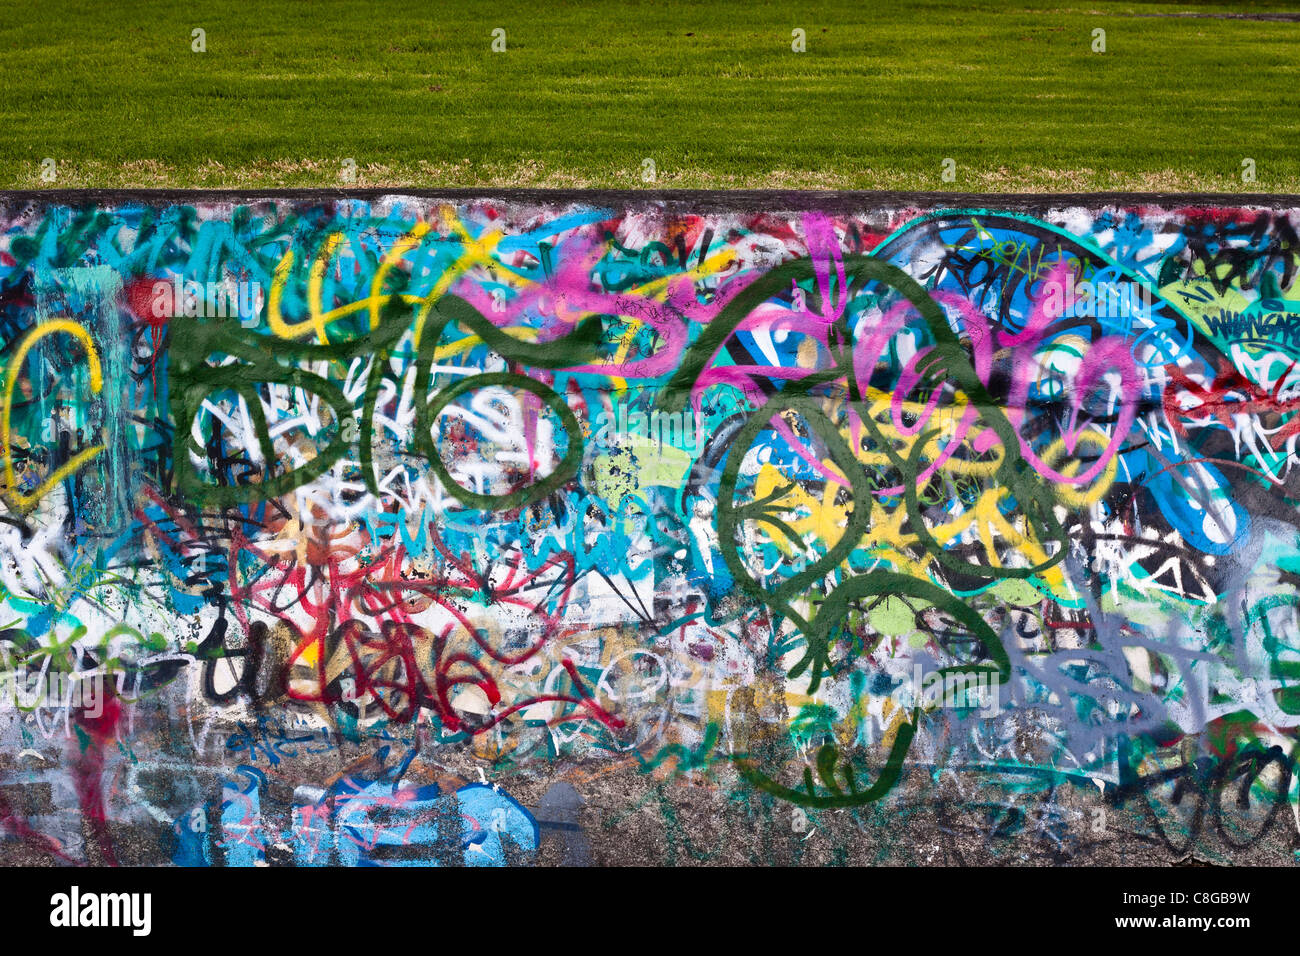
(605,528)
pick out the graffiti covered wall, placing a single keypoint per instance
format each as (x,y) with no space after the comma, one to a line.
(605,529)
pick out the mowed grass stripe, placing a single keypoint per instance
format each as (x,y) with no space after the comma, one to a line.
(711,92)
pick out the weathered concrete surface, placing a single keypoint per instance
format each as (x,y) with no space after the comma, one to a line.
(666,529)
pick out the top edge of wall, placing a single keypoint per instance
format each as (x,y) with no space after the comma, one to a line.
(698,199)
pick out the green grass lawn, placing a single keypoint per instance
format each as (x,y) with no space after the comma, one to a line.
(710,92)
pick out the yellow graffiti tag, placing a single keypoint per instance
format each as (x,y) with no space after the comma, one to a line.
(15,498)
